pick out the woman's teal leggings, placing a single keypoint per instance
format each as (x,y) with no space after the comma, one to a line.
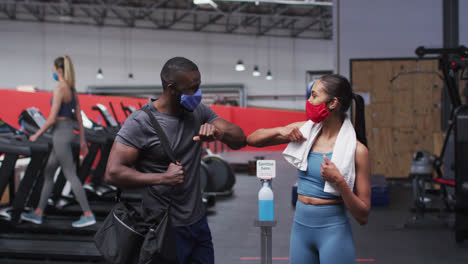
(321,234)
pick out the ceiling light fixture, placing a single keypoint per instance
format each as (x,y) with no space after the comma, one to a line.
(256,72)
(240,66)
(99,74)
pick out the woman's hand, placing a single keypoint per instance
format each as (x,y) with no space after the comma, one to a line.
(330,172)
(292,133)
(33,138)
(83,148)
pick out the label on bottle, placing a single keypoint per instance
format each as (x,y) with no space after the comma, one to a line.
(266,169)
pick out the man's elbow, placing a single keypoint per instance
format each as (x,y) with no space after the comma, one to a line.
(111,175)
(239,145)
(236,143)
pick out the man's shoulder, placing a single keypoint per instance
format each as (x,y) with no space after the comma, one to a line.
(201,106)
(137,120)
(203,109)
(138,115)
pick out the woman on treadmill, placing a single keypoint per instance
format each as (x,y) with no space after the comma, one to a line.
(65,104)
(321,232)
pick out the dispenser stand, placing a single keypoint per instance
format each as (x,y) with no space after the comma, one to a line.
(265,240)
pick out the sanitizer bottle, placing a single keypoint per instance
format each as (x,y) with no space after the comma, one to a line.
(265,202)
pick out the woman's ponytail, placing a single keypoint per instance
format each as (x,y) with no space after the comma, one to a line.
(360,120)
(69,72)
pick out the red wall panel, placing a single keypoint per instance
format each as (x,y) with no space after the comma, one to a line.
(249,119)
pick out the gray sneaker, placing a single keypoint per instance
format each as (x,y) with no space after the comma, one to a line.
(84,221)
(32,217)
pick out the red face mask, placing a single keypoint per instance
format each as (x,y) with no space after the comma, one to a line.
(316,113)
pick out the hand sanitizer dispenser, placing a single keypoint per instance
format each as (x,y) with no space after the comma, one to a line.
(266,171)
(265,202)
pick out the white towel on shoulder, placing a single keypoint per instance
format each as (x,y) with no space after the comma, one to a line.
(344,151)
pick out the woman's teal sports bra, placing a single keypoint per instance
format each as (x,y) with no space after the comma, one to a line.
(310,182)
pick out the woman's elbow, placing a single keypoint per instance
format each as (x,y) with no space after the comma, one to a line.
(364,218)
(253,142)
(250,141)
(52,119)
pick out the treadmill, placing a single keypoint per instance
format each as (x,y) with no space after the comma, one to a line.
(18,245)
(98,138)
(112,127)
(101,139)
(97,185)
(100,190)
(14,144)
(32,120)
(128,110)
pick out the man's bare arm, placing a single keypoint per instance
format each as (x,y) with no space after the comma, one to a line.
(120,171)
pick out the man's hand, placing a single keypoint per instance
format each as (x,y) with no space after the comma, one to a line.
(174,174)
(208,132)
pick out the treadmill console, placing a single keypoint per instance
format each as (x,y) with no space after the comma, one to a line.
(87,123)
(107,116)
(37,116)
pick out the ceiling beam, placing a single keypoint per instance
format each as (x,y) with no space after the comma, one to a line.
(37,11)
(10,10)
(129,21)
(303,29)
(271,26)
(265,20)
(209,22)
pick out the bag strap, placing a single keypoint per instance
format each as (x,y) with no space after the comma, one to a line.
(162,138)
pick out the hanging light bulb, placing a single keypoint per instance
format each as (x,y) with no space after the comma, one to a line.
(240,66)
(269,77)
(256,72)
(130,75)
(99,74)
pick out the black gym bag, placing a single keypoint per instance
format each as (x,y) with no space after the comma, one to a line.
(125,238)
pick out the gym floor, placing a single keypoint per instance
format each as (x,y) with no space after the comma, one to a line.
(383,240)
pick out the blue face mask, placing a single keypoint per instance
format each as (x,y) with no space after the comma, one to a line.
(55,76)
(190,102)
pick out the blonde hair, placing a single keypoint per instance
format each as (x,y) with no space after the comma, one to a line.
(66,65)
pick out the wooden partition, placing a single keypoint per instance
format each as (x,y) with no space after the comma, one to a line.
(402,116)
